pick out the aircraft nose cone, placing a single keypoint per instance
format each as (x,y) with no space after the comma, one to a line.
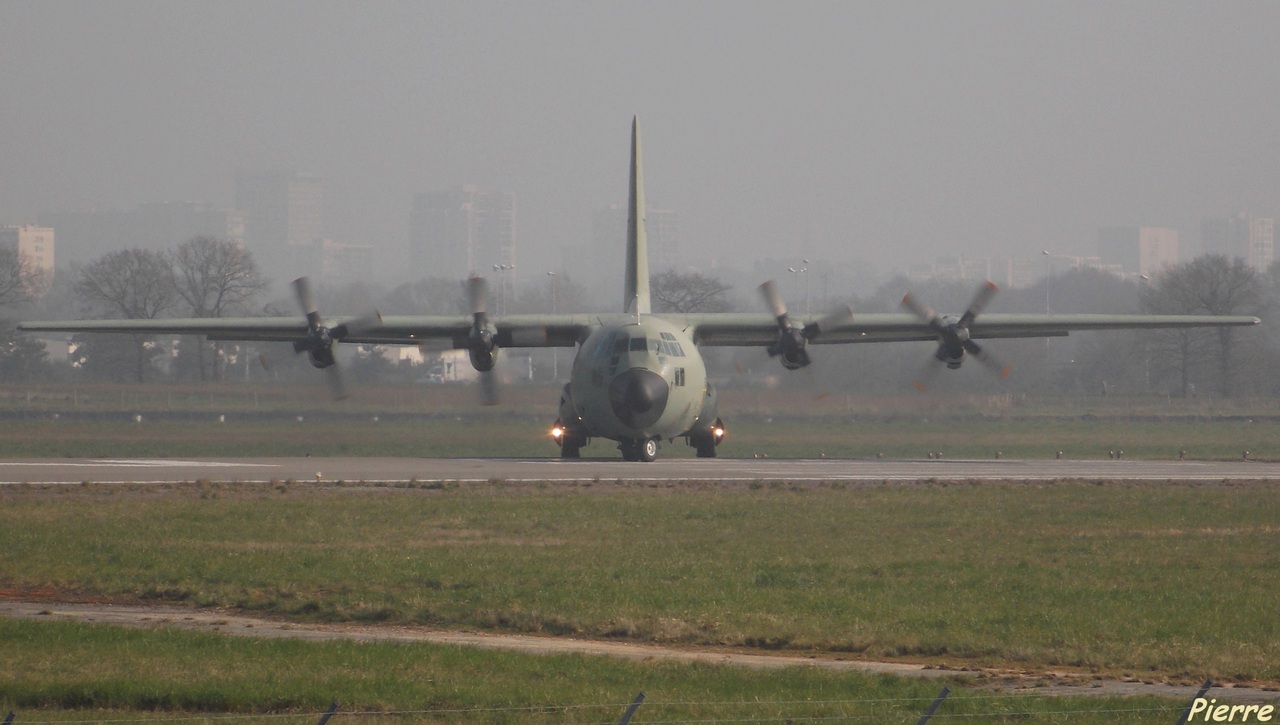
(638,397)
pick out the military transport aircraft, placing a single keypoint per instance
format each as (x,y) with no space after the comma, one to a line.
(638,377)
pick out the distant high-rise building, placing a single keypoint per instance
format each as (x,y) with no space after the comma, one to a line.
(461,231)
(1139,250)
(609,238)
(1004,271)
(339,264)
(281,214)
(34,244)
(1247,237)
(87,235)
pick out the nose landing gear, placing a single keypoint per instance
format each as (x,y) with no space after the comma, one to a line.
(639,450)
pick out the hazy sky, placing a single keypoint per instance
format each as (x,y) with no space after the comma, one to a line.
(889,132)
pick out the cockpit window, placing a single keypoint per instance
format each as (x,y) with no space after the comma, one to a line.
(664,346)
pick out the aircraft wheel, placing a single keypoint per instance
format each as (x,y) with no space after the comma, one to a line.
(706,447)
(649,450)
(630,450)
(571,449)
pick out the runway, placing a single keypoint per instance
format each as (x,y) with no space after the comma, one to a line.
(393,470)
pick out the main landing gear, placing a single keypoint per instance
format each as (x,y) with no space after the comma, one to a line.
(570,443)
(642,450)
(706,441)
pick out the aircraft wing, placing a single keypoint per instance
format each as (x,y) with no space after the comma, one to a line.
(732,329)
(511,331)
(711,329)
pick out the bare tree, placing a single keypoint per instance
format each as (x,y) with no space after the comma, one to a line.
(558,292)
(439,296)
(214,277)
(691,292)
(132,284)
(1212,285)
(20,280)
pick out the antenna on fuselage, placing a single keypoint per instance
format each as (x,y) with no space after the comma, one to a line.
(636,297)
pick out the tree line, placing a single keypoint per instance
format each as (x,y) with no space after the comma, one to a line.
(208,277)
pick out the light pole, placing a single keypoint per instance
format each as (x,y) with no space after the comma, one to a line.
(1048,271)
(1047,259)
(803,271)
(555,359)
(1146,345)
(504,271)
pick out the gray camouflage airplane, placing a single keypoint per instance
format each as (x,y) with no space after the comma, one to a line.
(638,377)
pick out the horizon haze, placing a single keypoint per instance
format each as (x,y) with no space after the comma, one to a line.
(879,134)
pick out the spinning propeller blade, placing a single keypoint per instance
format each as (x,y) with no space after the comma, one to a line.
(953,335)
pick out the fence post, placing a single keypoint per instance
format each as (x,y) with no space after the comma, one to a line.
(1203,689)
(631,710)
(333,707)
(934,706)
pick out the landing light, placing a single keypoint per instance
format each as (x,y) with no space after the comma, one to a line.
(717,432)
(557,432)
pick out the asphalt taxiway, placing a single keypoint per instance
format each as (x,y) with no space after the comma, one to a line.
(254,470)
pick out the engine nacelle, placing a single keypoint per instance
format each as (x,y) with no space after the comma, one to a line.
(483,359)
(951,347)
(482,348)
(321,357)
(319,347)
(795,359)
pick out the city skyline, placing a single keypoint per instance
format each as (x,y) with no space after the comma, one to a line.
(288,238)
(886,135)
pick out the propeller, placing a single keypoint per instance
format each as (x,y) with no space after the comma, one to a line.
(792,339)
(953,335)
(320,340)
(481,346)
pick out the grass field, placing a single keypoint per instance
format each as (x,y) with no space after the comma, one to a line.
(434,421)
(528,436)
(1150,582)
(514,436)
(113,674)
(1164,581)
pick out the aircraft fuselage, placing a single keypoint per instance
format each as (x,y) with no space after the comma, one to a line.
(639,381)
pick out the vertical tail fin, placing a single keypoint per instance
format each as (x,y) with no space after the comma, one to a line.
(637,283)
